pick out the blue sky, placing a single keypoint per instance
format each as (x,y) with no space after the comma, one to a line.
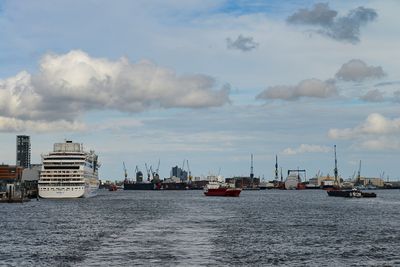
(207,81)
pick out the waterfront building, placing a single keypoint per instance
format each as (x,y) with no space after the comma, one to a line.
(178,172)
(9,175)
(378,182)
(23,151)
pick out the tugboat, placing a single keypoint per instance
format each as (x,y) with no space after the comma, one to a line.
(350,193)
(220,189)
(337,191)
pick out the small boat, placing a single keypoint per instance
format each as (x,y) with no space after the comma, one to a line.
(220,189)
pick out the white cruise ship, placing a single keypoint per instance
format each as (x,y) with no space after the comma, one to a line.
(69,172)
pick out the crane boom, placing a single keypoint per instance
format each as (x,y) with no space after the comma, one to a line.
(189,172)
(158,166)
(148,172)
(125,172)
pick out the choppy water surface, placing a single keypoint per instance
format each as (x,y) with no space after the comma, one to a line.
(185,228)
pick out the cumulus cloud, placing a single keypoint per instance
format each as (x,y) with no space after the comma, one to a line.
(67,85)
(305,148)
(307,88)
(358,70)
(373,96)
(345,28)
(241,43)
(374,125)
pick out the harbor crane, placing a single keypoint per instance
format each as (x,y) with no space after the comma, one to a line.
(125,172)
(148,172)
(359,174)
(158,167)
(335,170)
(189,172)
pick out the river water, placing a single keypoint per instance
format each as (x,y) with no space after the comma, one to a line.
(185,228)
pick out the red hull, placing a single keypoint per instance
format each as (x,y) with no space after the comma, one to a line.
(223,192)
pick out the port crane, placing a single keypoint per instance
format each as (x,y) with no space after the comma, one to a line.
(125,172)
(359,174)
(189,172)
(148,172)
(158,167)
(335,170)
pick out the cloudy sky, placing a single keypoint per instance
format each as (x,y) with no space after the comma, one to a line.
(205,80)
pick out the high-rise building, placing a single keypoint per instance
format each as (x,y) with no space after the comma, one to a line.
(178,172)
(23,151)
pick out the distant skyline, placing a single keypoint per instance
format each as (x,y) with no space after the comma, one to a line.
(208,81)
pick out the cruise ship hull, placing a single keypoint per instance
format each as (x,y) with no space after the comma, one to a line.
(68,191)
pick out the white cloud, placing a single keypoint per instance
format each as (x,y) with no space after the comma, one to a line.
(307,88)
(358,70)
(305,148)
(375,124)
(70,84)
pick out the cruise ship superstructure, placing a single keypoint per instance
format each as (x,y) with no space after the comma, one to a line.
(69,172)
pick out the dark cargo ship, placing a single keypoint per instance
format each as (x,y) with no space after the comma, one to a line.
(154,184)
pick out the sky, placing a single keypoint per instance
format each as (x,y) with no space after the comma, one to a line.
(208,81)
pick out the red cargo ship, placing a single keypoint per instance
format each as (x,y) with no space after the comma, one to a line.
(219,189)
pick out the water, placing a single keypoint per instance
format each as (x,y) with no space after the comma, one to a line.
(185,228)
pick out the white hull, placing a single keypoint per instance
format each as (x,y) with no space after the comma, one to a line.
(68,191)
(291,183)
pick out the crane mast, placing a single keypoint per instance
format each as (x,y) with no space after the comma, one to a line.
(125,172)
(335,170)
(359,173)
